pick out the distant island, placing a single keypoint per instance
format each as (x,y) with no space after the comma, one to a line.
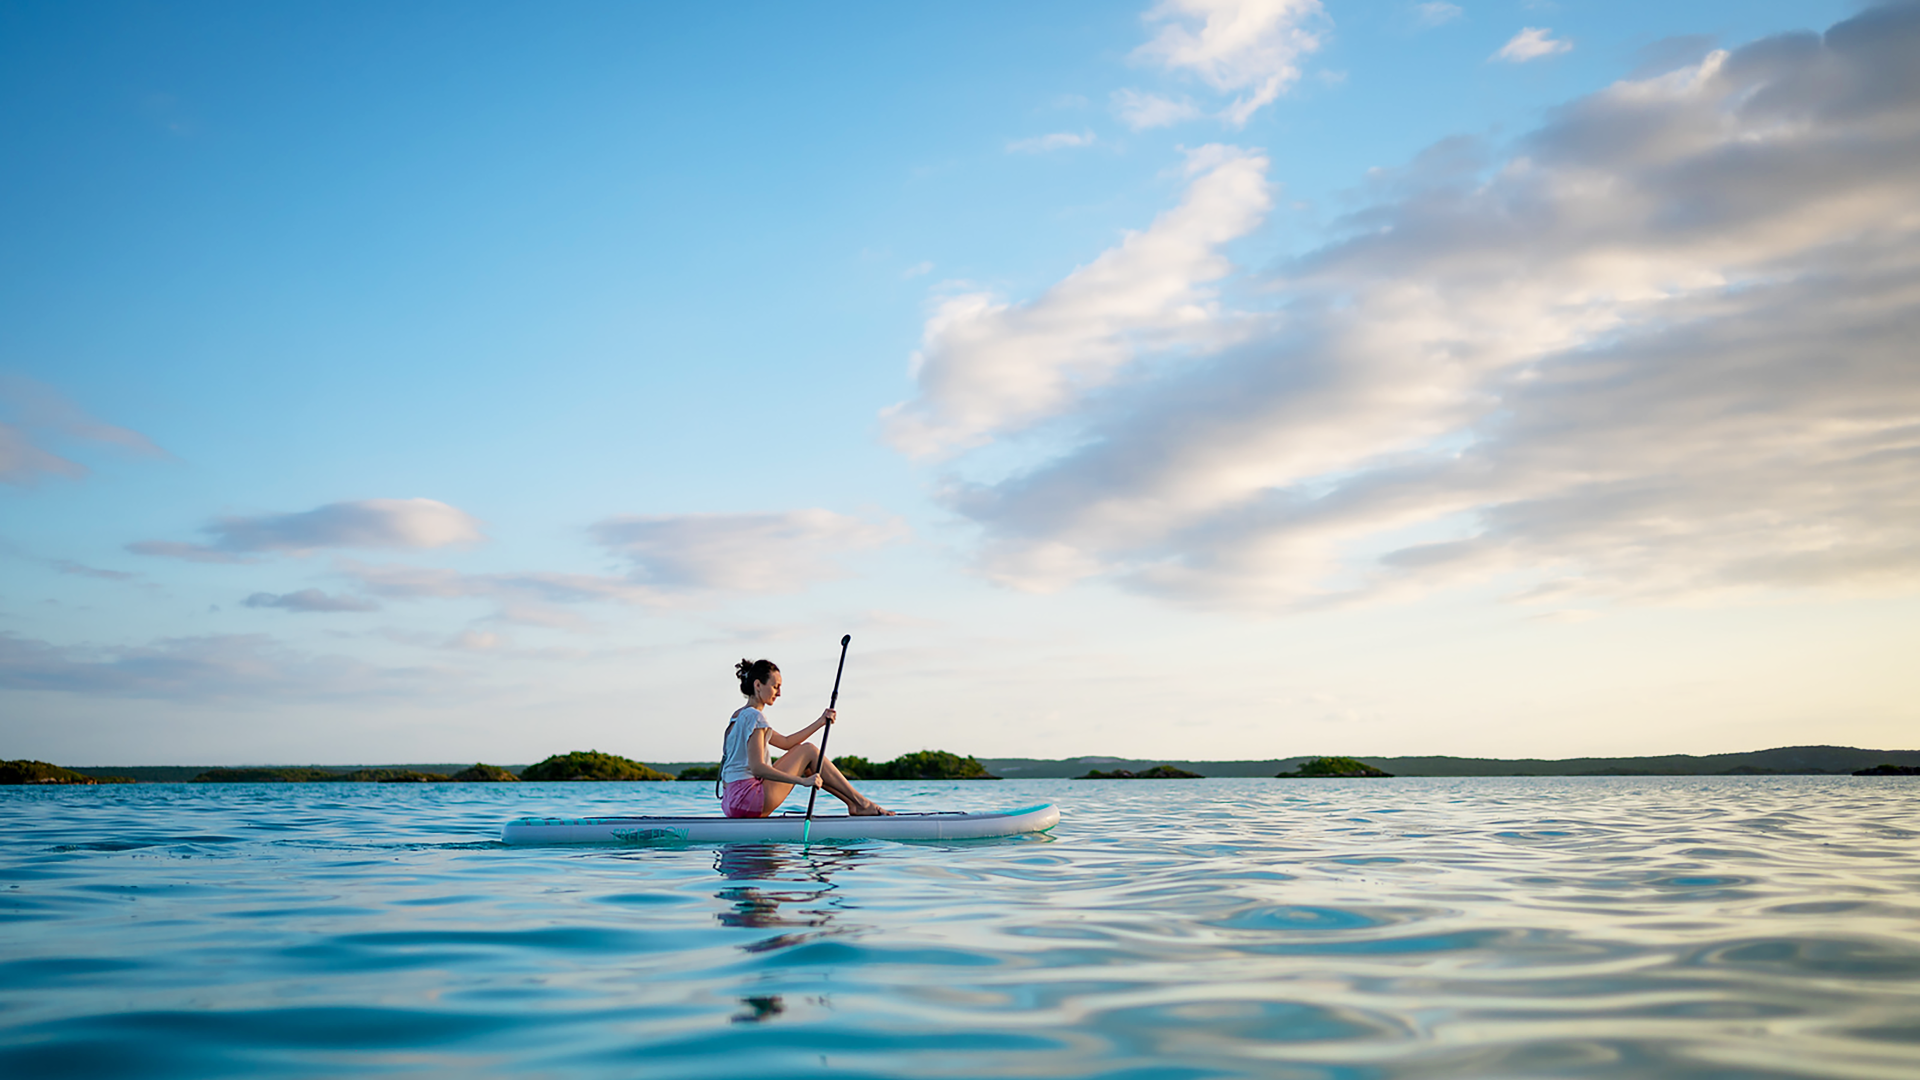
(39,772)
(591,765)
(921,765)
(941,765)
(1158,772)
(577,765)
(1332,767)
(476,773)
(1785,760)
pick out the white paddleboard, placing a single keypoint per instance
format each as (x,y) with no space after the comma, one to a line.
(781,828)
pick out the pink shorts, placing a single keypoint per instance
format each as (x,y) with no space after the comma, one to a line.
(744,798)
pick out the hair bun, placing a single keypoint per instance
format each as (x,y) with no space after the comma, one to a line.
(753,671)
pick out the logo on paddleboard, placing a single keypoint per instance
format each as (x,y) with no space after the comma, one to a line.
(642,836)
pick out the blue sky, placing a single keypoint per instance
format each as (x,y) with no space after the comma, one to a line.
(1211,379)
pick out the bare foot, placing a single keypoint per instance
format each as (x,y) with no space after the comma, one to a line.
(871,809)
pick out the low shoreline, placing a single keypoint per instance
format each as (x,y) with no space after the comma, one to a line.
(1792,760)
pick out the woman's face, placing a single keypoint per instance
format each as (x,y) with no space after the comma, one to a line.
(768,691)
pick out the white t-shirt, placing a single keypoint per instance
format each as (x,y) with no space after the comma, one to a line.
(733,763)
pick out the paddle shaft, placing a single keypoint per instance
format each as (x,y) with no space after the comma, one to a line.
(814,792)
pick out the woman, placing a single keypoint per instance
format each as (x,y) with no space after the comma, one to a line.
(753,787)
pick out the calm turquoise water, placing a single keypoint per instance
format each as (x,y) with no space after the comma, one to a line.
(1736,927)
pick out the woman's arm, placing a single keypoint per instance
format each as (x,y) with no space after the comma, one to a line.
(758,765)
(788,742)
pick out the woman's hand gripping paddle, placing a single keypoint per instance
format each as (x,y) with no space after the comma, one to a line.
(806,835)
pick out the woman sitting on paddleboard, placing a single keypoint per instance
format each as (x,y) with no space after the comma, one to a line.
(753,787)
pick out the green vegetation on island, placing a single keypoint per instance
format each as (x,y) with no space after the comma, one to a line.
(1333,766)
(921,765)
(1889,770)
(480,773)
(39,772)
(700,772)
(1158,772)
(286,775)
(309,775)
(397,776)
(590,765)
(476,773)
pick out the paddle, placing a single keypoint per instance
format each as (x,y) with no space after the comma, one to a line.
(806,834)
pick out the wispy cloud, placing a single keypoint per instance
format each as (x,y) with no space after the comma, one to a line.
(755,553)
(1249,48)
(676,560)
(990,366)
(530,598)
(68,566)
(310,601)
(36,416)
(415,524)
(916,270)
(1659,347)
(1436,12)
(1059,140)
(242,666)
(476,641)
(22,463)
(1142,111)
(174,549)
(1531,43)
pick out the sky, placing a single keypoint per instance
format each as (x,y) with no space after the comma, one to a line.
(1204,379)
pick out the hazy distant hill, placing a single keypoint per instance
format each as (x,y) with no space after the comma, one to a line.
(1786,759)
(180,774)
(1037,768)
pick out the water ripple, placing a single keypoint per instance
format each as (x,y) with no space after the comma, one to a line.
(1508,927)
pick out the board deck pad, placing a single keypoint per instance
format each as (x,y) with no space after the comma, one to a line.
(944,825)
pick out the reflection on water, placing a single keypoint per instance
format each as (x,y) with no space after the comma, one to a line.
(1511,927)
(759,1008)
(804,896)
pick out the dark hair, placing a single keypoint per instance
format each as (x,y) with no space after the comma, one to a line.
(753,671)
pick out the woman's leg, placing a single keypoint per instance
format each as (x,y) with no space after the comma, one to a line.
(799,761)
(803,759)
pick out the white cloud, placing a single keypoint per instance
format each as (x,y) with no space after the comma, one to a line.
(1660,348)
(987,366)
(1531,43)
(1059,140)
(415,524)
(916,270)
(1436,12)
(1142,111)
(1244,47)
